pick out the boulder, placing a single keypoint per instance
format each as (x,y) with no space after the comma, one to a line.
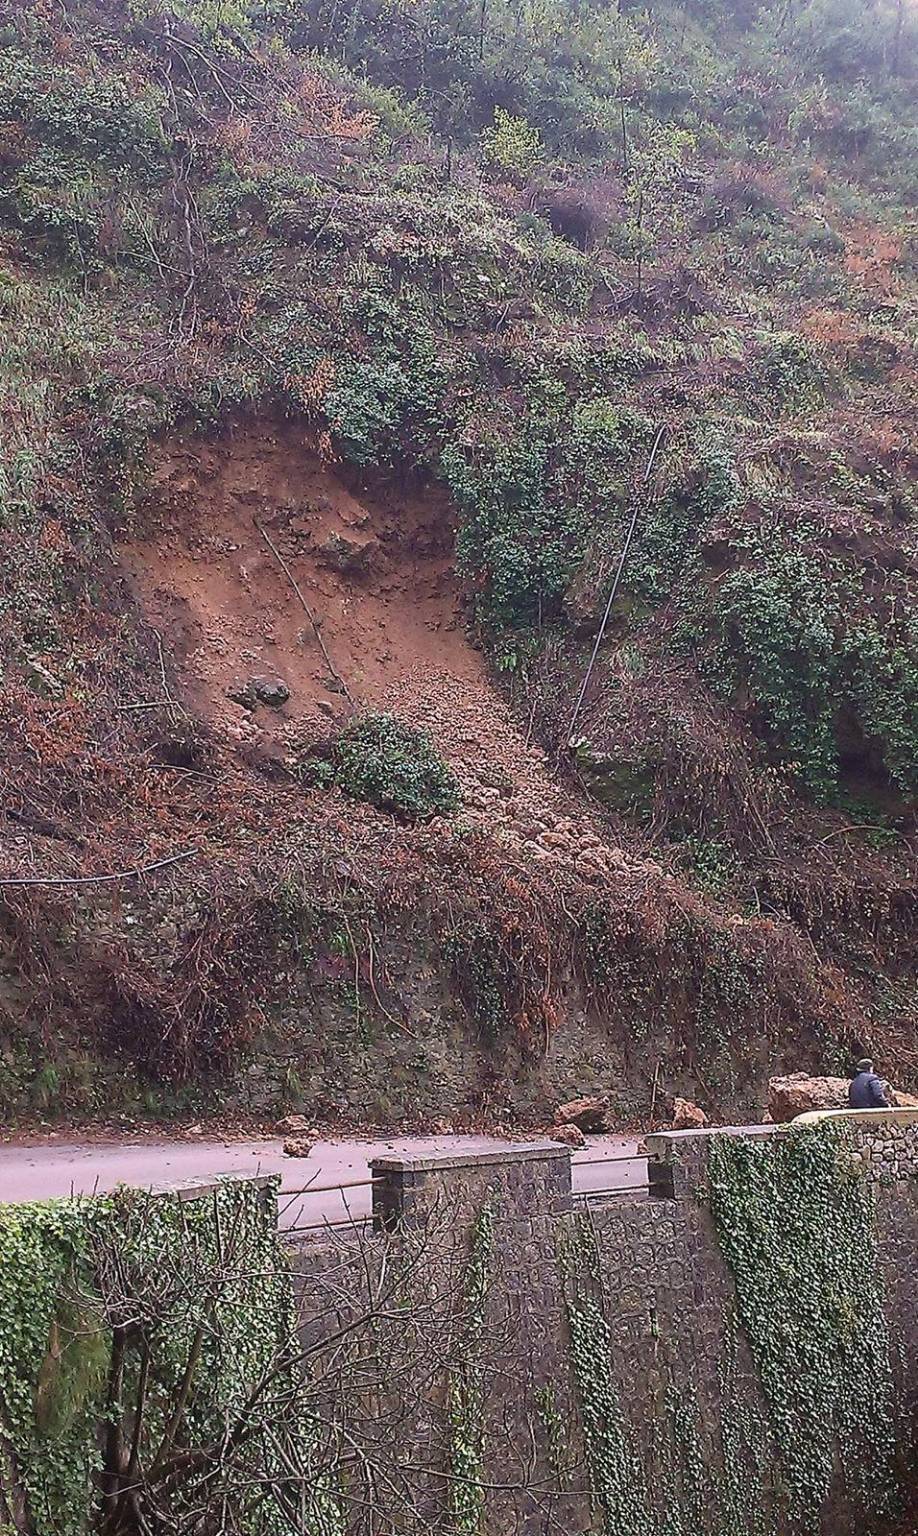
(799,1093)
(590,1115)
(259,690)
(687,1116)
(293,1125)
(568,1135)
(348,555)
(298,1146)
(271,691)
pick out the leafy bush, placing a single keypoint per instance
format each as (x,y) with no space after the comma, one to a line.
(515,543)
(511,144)
(393,766)
(790,633)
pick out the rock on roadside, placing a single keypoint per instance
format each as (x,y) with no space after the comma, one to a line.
(799,1093)
(589,1115)
(687,1116)
(568,1135)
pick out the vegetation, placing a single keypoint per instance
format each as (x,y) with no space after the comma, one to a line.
(493,247)
(150,1362)
(391,765)
(466,1400)
(795,1221)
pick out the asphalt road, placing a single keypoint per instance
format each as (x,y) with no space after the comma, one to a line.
(45,1170)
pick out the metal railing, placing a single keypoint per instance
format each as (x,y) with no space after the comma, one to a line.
(301,1192)
(287,1197)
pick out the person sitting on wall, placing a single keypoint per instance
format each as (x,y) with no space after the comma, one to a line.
(867,1091)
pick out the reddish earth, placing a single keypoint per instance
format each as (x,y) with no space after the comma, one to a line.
(375,569)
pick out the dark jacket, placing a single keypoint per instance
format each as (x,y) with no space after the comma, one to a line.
(867,1091)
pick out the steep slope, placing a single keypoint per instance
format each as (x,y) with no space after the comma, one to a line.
(333,391)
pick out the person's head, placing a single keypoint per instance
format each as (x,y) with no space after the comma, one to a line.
(865,1064)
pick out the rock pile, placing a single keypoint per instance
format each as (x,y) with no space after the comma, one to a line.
(507,787)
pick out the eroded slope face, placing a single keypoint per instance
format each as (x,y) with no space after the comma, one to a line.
(245,533)
(374,569)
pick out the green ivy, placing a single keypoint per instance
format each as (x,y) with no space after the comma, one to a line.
(482,969)
(795,1221)
(204,1288)
(392,765)
(466,1388)
(50,1423)
(617,1484)
(796,636)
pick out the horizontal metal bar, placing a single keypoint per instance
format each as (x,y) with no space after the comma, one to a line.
(324,1189)
(329,1226)
(604,1194)
(617,1157)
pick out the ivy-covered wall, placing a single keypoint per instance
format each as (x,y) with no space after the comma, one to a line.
(731,1357)
(149,1375)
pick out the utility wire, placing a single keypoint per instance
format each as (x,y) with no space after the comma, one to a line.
(626,547)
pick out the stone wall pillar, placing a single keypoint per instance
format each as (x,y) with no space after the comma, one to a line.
(534,1177)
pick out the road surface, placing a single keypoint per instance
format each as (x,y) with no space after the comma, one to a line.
(44,1170)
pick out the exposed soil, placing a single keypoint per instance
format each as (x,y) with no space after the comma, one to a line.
(374,568)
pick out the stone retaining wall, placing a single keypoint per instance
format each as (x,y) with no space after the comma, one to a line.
(679,1409)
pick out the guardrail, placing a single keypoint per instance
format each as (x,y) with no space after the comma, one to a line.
(288,1196)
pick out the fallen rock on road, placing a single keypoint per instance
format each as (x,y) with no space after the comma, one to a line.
(568,1135)
(589,1115)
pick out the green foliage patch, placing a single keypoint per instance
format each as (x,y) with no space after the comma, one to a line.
(616,1478)
(145,1343)
(796,632)
(466,1388)
(392,765)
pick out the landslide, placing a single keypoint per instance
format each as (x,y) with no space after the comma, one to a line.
(324,403)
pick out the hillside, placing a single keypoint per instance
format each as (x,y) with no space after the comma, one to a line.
(334,347)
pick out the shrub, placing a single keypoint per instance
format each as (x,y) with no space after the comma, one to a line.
(393,766)
(511,144)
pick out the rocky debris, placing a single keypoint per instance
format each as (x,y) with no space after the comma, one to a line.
(298,1146)
(349,556)
(687,1116)
(903,1100)
(242,693)
(568,1135)
(508,790)
(259,690)
(293,1125)
(271,691)
(799,1093)
(589,1115)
